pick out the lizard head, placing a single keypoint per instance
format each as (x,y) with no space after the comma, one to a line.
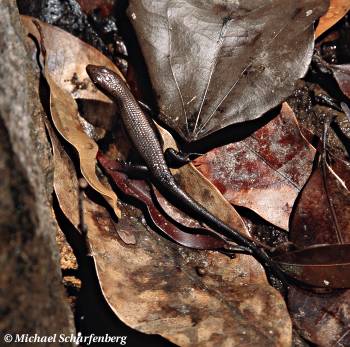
(105,79)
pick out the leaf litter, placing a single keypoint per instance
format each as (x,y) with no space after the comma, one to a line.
(157,287)
(108,228)
(215,64)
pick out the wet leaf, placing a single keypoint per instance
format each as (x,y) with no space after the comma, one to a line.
(64,110)
(320,265)
(264,172)
(336,11)
(219,63)
(321,318)
(323,211)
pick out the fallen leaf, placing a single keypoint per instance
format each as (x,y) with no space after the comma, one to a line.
(64,110)
(322,214)
(321,318)
(139,189)
(191,298)
(201,190)
(67,191)
(342,75)
(264,172)
(67,57)
(219,63)
(320,265)
(336,11)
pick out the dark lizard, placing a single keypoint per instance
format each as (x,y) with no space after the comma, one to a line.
(143,135)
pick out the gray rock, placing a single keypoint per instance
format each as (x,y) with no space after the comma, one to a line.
(31,294)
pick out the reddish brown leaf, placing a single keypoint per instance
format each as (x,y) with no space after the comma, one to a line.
(323,319)
(191,298)
(323,211)
(264,172)
(320,266)
(342,74)
(140,190)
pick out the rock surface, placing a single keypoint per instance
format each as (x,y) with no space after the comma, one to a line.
(31,294)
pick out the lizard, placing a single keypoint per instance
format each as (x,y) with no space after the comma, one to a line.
(144,137)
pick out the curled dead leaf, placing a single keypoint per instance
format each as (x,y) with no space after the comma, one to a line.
(63,107)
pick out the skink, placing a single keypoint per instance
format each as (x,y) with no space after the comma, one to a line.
(143,136)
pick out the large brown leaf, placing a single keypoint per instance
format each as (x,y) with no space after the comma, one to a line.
(217,63)
(192,298)
(264,172)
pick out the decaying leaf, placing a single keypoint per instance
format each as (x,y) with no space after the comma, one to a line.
(336,11)
(64,110)
(323,319)
(264,172)
(320,266)
(321,216)
(213,64)
(323,211)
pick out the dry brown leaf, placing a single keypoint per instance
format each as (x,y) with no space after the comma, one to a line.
(336,11)
(67,57)
(64,113)
(62,165)
(64,110)
(191,298)
(201,190)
